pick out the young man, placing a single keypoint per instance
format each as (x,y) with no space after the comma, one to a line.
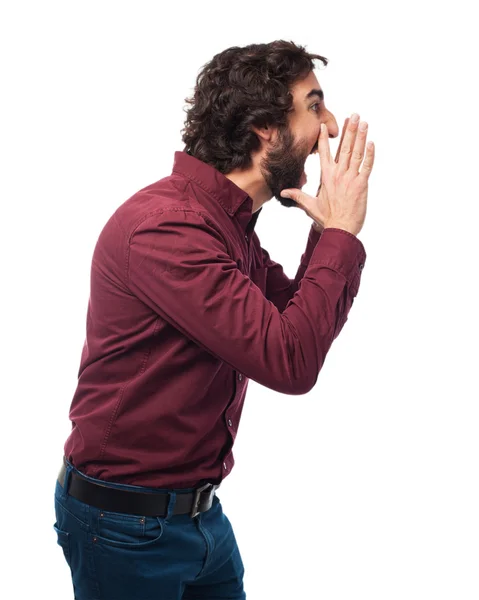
(185,307)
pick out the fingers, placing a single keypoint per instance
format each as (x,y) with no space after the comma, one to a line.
(368,161)
(358,150)
(348,143)
(346,122)
(323,146)
(320,183)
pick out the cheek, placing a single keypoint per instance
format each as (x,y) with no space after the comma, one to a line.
(315,135)
(311,134)
(312,140)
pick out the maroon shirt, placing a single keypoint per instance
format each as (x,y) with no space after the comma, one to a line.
(185,307)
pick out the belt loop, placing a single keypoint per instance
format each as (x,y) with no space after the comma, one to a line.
(66,481)
(171,504)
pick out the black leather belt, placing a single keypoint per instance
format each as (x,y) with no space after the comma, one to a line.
(147,504)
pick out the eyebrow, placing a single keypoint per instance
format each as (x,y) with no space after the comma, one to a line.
(312,93)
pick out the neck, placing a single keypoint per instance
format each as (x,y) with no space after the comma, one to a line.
(252,182)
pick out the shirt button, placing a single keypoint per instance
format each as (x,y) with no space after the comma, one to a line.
(246,237)
(230,422)
(361,266)
(240,377)
(224,465)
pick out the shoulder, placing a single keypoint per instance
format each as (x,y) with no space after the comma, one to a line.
(167,200)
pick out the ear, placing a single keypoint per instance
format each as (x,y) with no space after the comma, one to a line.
(266,134)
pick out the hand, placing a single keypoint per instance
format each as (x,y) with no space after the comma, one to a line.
(342,194)
(298,195)
(318,225)
(345,126)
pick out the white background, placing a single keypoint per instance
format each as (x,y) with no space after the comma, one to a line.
(366,487)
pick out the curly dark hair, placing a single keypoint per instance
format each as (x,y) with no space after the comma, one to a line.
(240,88)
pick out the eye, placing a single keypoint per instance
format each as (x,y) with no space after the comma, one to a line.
(317,105)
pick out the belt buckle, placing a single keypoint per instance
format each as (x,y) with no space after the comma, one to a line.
(197,498)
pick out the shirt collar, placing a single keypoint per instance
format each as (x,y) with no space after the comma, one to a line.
(231,197)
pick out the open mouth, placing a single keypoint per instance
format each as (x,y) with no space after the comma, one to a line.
(304,177)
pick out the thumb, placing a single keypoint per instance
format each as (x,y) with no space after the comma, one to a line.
(304,201)
(298,196)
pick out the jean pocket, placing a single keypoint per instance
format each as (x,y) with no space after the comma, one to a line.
(63,540)
(127,531)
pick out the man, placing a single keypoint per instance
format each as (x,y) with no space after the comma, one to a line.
(185,307)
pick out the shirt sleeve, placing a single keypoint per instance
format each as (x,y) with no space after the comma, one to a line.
(279,287)
(178,264)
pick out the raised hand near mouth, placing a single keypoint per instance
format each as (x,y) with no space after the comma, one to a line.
(341,200)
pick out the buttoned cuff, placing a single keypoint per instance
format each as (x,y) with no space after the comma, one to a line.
(343,252)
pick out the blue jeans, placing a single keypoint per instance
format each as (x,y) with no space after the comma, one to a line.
(118,556)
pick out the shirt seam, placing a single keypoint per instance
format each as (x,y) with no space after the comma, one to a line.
(161,212)
(116,408)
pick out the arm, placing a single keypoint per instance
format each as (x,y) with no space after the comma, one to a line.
(179,266)
(279,287)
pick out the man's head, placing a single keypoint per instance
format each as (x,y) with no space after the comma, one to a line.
(256,113)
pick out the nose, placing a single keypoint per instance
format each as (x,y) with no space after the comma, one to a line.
(332,125)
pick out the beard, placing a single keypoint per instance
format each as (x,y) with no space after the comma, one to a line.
(283,165)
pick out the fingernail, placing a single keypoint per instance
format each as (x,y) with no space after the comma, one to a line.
(355,118)
(285,194)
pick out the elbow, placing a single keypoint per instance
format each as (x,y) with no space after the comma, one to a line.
(299,385)
(303,368)
(305,385)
